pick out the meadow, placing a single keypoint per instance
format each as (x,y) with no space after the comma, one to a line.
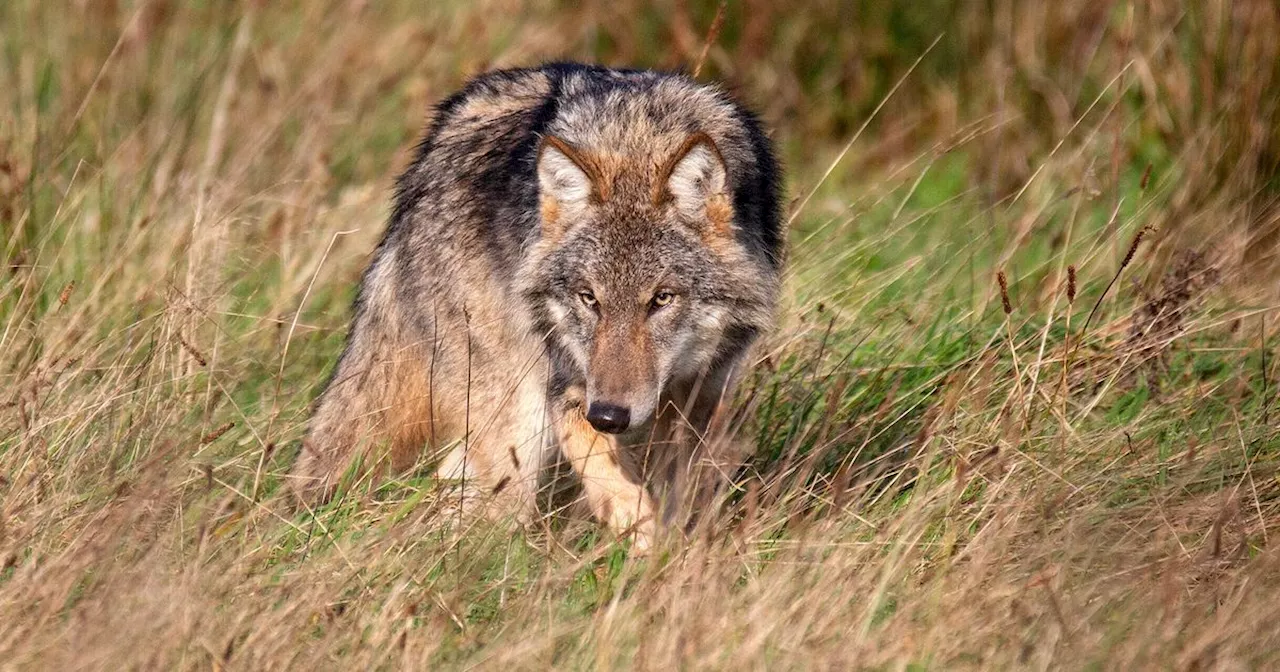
(1019,411)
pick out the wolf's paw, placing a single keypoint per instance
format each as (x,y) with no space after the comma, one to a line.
(636,519)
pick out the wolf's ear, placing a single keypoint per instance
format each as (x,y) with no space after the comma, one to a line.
(696,181)
(566,181)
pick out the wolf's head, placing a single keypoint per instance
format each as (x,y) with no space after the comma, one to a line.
(638,275)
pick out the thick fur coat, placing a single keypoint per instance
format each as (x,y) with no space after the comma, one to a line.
(577,261)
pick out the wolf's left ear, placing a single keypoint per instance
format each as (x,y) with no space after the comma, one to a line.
(696,181)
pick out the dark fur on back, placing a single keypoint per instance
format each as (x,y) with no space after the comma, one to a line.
(497,163)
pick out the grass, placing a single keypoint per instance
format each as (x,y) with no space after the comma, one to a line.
(189,191)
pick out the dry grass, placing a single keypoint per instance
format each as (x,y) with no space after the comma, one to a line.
(950,472)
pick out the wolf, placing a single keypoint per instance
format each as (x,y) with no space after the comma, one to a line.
(577,262)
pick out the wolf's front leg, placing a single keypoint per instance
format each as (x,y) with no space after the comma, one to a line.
(614,498)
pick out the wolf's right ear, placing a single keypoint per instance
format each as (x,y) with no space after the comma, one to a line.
(566,182)
(695,179)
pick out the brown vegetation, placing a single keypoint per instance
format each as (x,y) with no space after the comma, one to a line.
(946,475)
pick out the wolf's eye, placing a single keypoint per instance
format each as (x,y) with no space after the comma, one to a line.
(588,299)
(662,298)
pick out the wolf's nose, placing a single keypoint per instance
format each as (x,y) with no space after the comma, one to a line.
(608,418)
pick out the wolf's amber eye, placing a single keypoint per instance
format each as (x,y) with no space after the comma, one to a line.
(588,299)
(662,298)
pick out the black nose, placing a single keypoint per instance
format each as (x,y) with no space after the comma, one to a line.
(608,418)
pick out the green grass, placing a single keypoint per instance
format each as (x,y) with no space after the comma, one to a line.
(934,484)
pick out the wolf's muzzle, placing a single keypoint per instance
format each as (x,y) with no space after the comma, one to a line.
(608,418)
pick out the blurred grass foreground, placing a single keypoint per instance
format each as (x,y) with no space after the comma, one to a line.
(1079,472)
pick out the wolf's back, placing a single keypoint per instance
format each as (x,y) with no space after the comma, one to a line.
(472,189)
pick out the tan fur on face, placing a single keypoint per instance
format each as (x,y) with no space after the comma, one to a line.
(720,214)
(621,355)
(550,214)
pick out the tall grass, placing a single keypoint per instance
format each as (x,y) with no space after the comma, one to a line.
(948,470)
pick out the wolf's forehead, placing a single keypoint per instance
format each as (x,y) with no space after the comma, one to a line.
(627,249)
(630,133)
(641,121)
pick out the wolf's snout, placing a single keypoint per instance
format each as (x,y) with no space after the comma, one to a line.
(608,418)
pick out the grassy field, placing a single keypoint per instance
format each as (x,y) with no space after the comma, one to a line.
(1078,472)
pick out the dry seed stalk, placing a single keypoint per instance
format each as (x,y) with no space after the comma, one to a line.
(65,294)
(1004,292)
(191,350)
(712,34)
(1008,327)
(1128,257)
(1066,360)
(215,434)
(1133,248)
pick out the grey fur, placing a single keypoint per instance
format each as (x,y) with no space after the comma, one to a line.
(566,235)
